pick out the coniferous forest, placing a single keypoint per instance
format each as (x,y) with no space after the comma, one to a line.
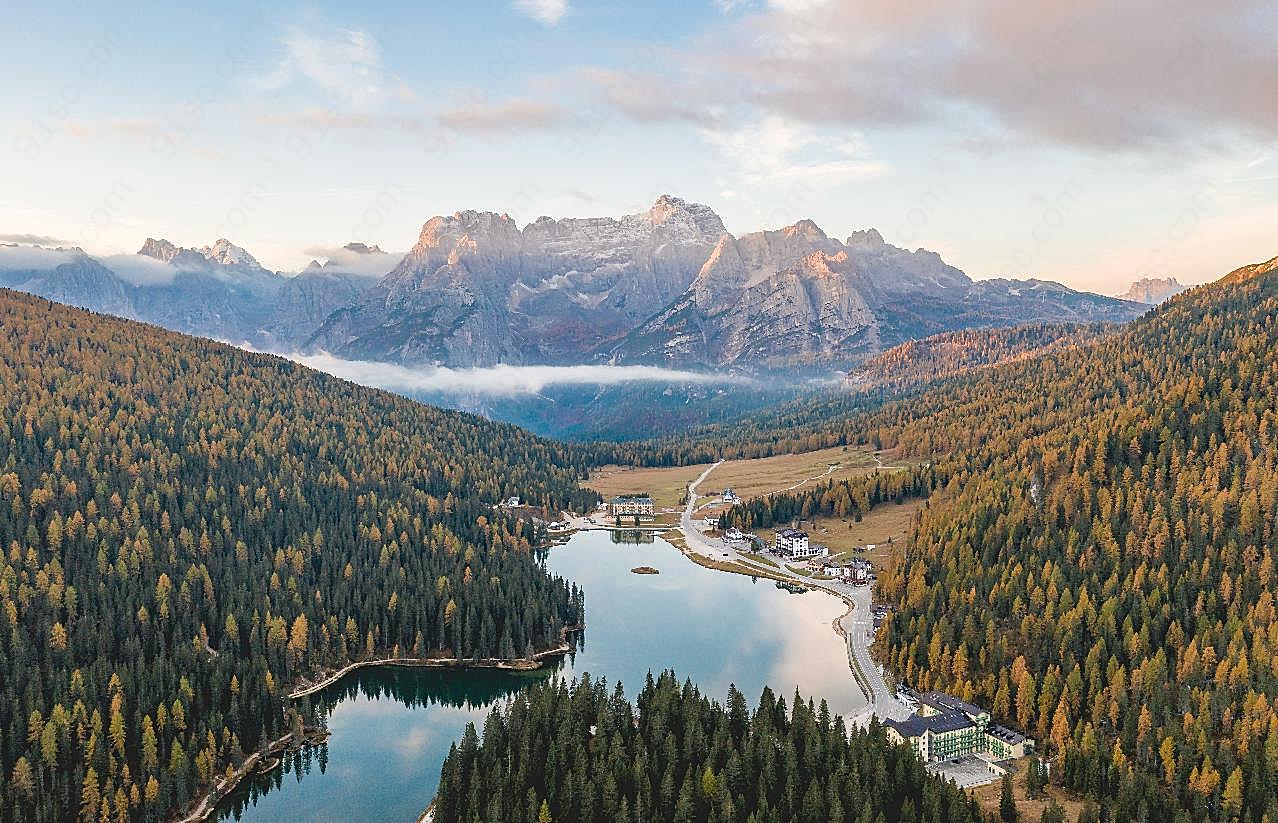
(580,752)
(188,529)
(1096,562)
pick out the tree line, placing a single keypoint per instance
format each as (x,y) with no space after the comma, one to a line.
(187,530)
(580,752)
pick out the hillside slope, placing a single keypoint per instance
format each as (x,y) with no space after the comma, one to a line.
(188,529)
(1100,569)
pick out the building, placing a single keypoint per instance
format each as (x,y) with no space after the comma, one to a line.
(730,497)
(794,544)
(632,505)
(938,736)
(946,727)
(734,538)
(1005,744)
(858,572)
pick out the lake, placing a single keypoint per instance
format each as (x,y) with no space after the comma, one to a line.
(391,728)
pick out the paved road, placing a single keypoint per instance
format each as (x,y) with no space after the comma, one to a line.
(857,624)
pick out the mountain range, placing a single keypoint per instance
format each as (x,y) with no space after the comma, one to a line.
(668,286)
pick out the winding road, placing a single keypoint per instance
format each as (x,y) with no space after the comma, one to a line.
(857,625)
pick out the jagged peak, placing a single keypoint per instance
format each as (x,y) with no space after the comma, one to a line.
(668,209)
(228,254)
(805,228)
(866,238)
(160,249)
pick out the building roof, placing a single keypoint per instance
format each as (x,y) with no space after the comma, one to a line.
(1005,734)
(943,702)
(792,534)
(936,724)
(632,498)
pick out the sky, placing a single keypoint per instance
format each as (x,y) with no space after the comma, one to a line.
(1092,142)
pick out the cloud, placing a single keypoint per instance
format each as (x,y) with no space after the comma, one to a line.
(139,269)
(341,259)
(33,239)
(1105,77)
(503,381)
(328,118)
(777,149)
(508,116)
(545,11)
(344,63)
(19,258)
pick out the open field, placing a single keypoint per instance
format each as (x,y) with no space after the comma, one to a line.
(988,796)
(748,478)
(765,475)
(666,485)
(886,521)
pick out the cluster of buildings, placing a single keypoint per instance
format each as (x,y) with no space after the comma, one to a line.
(856,571)
(945,727)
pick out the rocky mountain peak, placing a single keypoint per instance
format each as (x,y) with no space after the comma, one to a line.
(161,250)
(866,239)
(1153,290)
(228,254)
(805,229)
(363,248)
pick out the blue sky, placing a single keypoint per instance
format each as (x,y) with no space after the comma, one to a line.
(1091,143)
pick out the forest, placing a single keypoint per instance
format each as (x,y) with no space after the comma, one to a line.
(1096,560)
(580,752)
(1099,569)
(851,497)
(190,529)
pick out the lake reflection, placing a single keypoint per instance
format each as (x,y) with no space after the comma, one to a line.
(392,728)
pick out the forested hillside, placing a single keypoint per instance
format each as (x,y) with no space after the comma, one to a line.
(187,529)
(920,362)
(579,753)
(1097,564)
(1100,568)
(850,497)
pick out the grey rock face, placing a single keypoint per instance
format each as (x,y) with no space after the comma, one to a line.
(476,290)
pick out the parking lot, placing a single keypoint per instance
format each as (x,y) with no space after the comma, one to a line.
(966,772)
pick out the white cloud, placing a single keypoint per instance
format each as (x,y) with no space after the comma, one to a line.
(545,11)
(32,239)
(342,259)
(344,63)
(778,149)
(503,381)
(1132,78)
(18,258)
(511,116)
(139,269)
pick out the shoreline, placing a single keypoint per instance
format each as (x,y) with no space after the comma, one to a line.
(519,664)
(223,787)
(859,676)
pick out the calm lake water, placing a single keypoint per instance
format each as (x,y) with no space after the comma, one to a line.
(391,728)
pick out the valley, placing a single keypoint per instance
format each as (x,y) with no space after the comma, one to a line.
(726,411)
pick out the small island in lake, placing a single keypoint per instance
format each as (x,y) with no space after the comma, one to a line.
(645,570)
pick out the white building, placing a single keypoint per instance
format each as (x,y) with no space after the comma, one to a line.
(734,538)
(794,544)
